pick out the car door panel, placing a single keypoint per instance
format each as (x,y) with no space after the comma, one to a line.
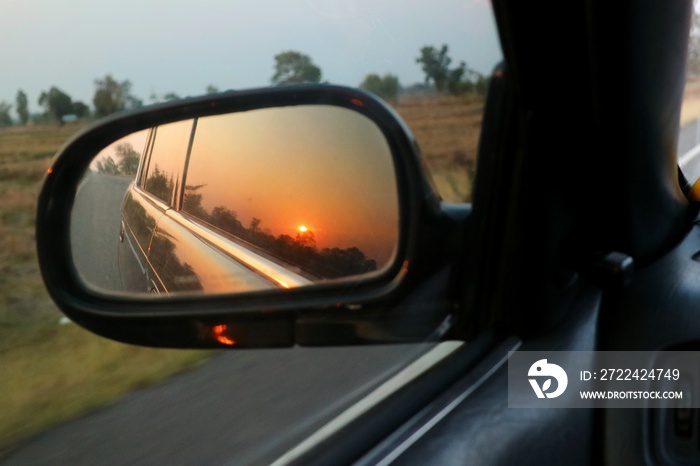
(140,215)
(185,261)
(658,311)
(471,422)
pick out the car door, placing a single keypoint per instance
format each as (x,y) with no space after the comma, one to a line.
(146,202)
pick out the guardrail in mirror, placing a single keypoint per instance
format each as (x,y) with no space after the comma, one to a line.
(262,199)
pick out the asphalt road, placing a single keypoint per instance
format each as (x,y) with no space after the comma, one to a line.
(238,408)
(95,227)
(689,150)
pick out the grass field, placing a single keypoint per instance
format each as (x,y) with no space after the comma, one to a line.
(51,372)
(447,130)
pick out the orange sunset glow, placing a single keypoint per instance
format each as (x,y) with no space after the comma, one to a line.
(269,168)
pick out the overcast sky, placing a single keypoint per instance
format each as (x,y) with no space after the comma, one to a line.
(182,46)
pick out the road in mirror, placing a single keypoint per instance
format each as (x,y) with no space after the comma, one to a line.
(271,198)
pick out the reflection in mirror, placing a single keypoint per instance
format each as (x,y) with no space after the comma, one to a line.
(271,198)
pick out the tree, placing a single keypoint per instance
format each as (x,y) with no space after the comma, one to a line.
(455,83)
(254,225)
(192,203)
(5,118)
(459,80)
(80,109)
(22,107)
(481,85)
(127,164)
(292,67)
(212,89)
(463,80)
(112,96)
(225,219)
(56,103)
(107,166)
(167,97)
(435,64)
(160,184)
(306,239)
(693,65)
(387,86)
(128,158)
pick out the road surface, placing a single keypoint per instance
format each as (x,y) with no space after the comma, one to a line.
(689,151)
(95,227)
(231,410)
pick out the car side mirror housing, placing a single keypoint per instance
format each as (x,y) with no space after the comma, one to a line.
(262,218)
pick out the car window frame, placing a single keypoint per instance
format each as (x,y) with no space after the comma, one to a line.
(178,175)
(145,160)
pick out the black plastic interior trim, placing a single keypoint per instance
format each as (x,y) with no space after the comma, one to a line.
(364,432)
(419,425)
(483,430)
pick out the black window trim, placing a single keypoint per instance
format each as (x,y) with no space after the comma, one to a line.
(176,195)
(185,165)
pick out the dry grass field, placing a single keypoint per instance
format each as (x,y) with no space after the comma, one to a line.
(447,131)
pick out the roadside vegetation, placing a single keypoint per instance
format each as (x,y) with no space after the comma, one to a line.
(447,130)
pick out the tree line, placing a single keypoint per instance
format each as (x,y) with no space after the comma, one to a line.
(291,67)
(110,96)
(299,251)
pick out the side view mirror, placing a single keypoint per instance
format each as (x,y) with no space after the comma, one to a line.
(272,217)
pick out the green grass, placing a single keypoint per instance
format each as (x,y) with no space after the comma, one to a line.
(51,372)
(54,372)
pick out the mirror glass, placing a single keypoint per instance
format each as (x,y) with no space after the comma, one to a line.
(272,198)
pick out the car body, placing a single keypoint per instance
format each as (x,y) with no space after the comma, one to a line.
(180,231)
(580,238)
(157,242)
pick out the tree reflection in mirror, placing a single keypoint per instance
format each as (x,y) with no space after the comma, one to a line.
(271,198)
